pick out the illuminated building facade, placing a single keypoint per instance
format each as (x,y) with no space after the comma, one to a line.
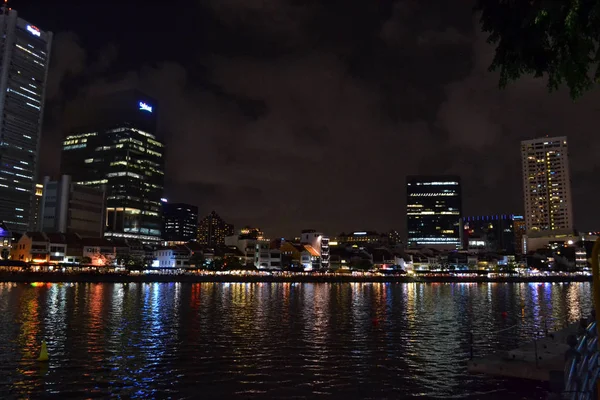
(212,230)
(181,222)
(394,238)
(490,233)
(25,52)
(520,231)
(267,258)
(37,203)
(367,239)
(5,241)
(434,207)
(319,247)
(547,184)
(119,149)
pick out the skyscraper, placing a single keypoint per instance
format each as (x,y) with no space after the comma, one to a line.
(546,184)
(212,230)
(25,53)
(181,222)
(434,207)
(119,149)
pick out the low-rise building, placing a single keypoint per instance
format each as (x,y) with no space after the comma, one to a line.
(99,251)
(172,257)
(31,247)
(266,258)
(320,245)
(5,241)
(302,256)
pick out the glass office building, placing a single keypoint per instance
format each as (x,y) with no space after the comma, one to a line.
(181,222)
(119,149)
(433,212)
(25,53)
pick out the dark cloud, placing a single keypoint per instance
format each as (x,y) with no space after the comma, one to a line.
(311,114)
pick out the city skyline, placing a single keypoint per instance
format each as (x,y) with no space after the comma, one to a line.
(211,114)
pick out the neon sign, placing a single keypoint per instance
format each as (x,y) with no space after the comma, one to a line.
(34,30)
(145,107)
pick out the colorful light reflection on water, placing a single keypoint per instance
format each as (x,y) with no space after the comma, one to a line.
(244,340)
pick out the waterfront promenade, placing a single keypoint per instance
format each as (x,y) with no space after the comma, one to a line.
(278,277)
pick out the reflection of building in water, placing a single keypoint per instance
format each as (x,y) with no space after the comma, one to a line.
(29,319)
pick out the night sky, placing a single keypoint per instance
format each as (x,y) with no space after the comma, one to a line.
(289,114)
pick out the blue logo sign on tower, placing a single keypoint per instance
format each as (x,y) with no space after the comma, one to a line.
(145,107)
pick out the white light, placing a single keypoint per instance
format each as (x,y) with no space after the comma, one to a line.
(145,107)
(359,233)
(164,200)
(34,30)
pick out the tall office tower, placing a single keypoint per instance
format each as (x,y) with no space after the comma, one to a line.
(119,149)
(212,230)
(434,207)
(25,53)
(546,184)
(180,222)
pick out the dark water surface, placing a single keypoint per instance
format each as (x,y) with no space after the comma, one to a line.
(278,340)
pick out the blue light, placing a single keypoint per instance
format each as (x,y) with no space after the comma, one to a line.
(145,107)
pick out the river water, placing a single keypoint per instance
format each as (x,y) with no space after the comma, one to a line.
(271,340)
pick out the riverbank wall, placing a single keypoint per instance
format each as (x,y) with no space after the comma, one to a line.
(56,277)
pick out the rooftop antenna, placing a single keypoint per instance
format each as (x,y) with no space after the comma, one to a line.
(5,8)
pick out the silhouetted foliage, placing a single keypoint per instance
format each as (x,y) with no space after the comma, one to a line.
(556,39)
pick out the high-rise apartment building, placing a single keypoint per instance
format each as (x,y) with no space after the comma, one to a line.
(434,208)
(119,149)
(180,222)
(25,54)
(547,184)
(212,230)
(69,208)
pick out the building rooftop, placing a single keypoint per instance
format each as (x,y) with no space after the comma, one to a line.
(37,236)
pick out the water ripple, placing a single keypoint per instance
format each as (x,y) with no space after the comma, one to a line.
(299,341)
